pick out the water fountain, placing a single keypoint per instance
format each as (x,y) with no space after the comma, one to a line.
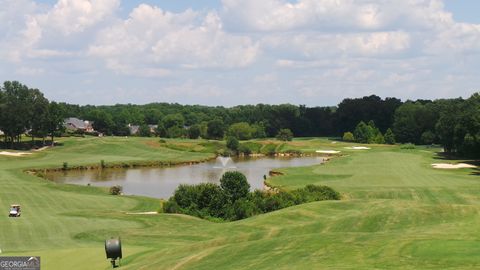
(224,163)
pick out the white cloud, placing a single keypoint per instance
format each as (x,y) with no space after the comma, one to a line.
(300,51)
(151,37)
(46,33)
(334,15)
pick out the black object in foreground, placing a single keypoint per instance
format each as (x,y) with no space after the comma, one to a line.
(113,249)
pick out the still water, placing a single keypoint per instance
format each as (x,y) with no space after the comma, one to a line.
(162,182)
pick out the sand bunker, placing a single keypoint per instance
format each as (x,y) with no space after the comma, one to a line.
(452,166)
(14,154)
(143,213)
(358,148)
(327,152)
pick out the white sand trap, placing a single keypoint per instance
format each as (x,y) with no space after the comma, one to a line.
(358,148)
(327,152)
(14,154)
(452,166)
(143,213)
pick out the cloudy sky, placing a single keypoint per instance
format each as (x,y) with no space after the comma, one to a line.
(230,52)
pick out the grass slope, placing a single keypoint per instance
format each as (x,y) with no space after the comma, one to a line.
(397,213)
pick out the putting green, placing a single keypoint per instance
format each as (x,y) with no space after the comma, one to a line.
(397,213)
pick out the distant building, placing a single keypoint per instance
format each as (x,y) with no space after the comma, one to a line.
(133,129)
(75,124)
(153,128)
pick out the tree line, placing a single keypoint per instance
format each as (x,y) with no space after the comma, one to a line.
(454,123)
(26,110)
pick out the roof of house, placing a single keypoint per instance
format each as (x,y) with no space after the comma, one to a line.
(76,123)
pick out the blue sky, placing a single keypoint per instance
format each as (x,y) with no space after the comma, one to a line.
(229,52)
(464,10)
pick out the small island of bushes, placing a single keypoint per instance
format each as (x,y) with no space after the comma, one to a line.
(232,199)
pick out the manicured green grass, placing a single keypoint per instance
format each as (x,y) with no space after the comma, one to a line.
(397,212)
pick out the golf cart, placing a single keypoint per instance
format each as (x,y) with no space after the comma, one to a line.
(14,210)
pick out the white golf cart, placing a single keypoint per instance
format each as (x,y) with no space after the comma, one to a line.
(14,210)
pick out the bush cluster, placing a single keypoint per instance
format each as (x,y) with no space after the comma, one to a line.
(233,201)
(116,190)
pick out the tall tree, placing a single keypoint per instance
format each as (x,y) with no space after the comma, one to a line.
(55,117)
(16,110)
(39,115)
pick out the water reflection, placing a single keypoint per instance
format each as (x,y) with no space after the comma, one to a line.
(162,182)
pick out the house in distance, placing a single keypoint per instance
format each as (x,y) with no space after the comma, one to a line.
(75,124)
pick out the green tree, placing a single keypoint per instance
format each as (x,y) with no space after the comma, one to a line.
(285,134)
(234,185)
(160,131)
(176,132)
(39,115)
(215,129)
(428,137)
(144,131)
(389,137)
(102,121)
(241,131)
(16,110)
(173,120)
(194,132)
(55,119)
(364,133)
(259,130)
(348,137)
(232,143)
(379,139)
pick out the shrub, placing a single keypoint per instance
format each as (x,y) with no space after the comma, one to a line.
(242,208)
(348,137)
(321,193)
(269,149)
(232,143)
(408,146)
(252,147)
(171,206)
(242,148)
(65,166)
(234,185)
(102,164)
(116,190)
(232,201)
(186,196)
(284,134)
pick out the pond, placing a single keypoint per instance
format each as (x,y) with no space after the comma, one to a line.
(162,182)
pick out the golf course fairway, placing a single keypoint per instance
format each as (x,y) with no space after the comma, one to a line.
(396,212)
